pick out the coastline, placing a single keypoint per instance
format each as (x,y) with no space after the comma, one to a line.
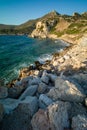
(50,92)
(55,54)
(30,67)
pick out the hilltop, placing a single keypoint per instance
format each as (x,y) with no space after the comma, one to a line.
(51,25)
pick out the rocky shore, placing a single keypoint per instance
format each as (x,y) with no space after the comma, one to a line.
(49,96)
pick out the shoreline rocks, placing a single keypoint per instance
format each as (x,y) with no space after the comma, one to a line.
(49,96)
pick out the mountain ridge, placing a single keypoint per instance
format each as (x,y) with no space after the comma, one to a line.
(51,25)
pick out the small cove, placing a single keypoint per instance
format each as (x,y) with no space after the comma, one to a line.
(17,52)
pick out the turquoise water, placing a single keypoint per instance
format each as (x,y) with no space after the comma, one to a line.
(17,52)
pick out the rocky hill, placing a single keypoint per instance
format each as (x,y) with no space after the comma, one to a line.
(52,25)
(65,27)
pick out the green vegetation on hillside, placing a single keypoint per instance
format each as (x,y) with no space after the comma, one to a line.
(76,24)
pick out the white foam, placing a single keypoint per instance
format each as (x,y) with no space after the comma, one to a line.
(23,65)
(44,57)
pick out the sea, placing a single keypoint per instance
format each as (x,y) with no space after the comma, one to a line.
(17,52)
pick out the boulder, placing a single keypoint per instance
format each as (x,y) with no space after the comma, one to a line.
(45,77)
(44,101)
(55,117)
(9,104)
(67,91)
(1,112)
(19,119)
(3,92)
(26,80)
(79,122)
(77,109)
(17,89)
(30,91)
(42,87)
(30,104)
(58,115)
(52,77)
(34,81)
(40,121)
(81,79)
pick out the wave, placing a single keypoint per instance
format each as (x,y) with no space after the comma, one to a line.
(44,57)
(23,65)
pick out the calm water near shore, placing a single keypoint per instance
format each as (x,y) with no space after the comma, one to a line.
(17,52)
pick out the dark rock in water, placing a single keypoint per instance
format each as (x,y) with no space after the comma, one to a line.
(38,65)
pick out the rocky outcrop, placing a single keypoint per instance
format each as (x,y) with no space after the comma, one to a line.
(44,26)
(40,31)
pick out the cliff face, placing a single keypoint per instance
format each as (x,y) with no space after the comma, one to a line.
(54,25)
(45,24)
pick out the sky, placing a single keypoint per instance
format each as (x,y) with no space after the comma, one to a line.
(16,12)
